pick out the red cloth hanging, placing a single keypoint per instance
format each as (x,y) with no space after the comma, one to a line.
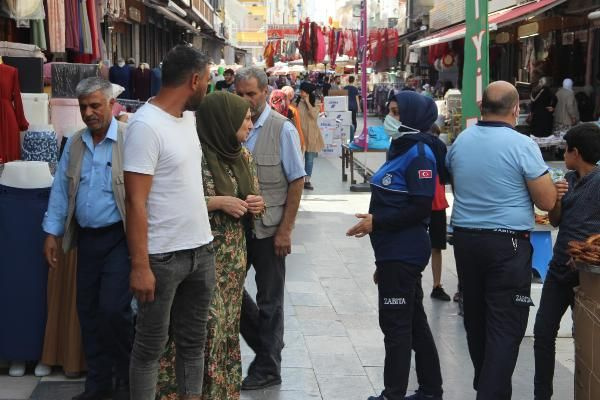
(376,45)
(354,45)
(313,42)
(91,9)
(333,46)
(305,50)
(340,47)
(12,116)
(320,51)
(391,41)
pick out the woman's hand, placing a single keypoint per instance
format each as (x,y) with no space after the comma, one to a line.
(232,206)
(256,204)
(363,228)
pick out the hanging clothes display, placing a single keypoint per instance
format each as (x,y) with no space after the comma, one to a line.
(141,83)
(269,55)
(56,25)
(72,36)
(86,37)
(25,9)
(12,117)
(38,34)
(121,75)
(93,24)
(320,48)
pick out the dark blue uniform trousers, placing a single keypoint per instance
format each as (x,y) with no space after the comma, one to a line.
(495,275)
(104,304)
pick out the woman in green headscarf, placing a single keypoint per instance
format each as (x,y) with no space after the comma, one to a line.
(230,182)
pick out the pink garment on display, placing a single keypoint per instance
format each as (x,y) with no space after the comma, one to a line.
(347,41)
(320,50)
(56,25)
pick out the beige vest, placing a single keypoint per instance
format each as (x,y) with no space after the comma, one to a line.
(74,175)
(271,176)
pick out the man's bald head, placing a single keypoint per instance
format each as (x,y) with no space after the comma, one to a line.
(500,98)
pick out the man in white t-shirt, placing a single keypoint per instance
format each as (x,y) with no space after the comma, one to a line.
(168,231)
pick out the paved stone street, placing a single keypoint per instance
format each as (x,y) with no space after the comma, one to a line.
(333,345)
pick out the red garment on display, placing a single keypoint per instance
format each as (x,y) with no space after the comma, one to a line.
(391,42)
(340,46)
(332,46)
(12,117)
(376,45)
(91,6)
(320,50)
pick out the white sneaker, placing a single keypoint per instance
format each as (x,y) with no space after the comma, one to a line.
(42,370)
(17,368)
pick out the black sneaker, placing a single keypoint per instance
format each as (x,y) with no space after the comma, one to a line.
(438,293)
(308,186)
(255,381)
(380,397)
(422,396)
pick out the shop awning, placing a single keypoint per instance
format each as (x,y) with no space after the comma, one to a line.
(496,20)
(161,9)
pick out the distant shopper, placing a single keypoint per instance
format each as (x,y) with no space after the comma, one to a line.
(585,103)
(543,102)
(353,99)
(576,213)
(308,110)
(336,83)
(227,83)
(293,114)
(566,113)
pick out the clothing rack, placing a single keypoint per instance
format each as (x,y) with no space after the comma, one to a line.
(131,105)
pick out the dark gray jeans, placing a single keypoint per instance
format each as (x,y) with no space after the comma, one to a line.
(185,281)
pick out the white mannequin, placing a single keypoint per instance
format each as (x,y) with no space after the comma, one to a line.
(26,175)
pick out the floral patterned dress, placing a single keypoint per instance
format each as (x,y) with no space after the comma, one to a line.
(223,364)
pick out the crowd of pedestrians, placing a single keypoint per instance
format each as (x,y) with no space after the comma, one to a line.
(174,207)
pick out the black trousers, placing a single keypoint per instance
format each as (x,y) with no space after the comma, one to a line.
(557,296)
(354,123)
(495,276)
(261,322)
(104,304)
(404,324)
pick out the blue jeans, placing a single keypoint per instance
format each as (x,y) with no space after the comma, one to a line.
(309,160)
(185,281)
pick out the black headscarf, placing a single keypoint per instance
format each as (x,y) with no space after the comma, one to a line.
(420,113)
(310,89)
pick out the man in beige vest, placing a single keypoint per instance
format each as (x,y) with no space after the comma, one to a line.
(87,209)
(275,145)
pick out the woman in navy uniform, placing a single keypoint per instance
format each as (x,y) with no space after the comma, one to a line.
(402,192)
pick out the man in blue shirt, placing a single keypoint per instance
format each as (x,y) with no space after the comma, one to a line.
(497,174)
(275,145)
(87,209)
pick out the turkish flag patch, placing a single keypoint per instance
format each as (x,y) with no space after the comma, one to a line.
(425,174)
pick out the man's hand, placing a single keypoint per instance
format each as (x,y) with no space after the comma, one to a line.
(51,251)
(256,204)
(562,187)
(233,206)
(363,228)
(283,243)
(142,283)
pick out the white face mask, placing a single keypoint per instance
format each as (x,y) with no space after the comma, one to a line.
(392,128)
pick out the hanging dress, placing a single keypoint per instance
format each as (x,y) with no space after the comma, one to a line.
(12,116)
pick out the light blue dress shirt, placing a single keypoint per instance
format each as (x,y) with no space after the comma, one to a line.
(289,147)
(95,205)
(490,165)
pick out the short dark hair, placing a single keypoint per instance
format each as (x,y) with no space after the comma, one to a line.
(351,79)
(498,105)
(229,71)
(586,139)
(180,63)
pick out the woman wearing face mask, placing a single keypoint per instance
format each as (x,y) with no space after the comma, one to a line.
(231,188)
(402,193)
(308,111)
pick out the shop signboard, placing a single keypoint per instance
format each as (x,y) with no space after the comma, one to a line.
(476,66)
(282,31)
